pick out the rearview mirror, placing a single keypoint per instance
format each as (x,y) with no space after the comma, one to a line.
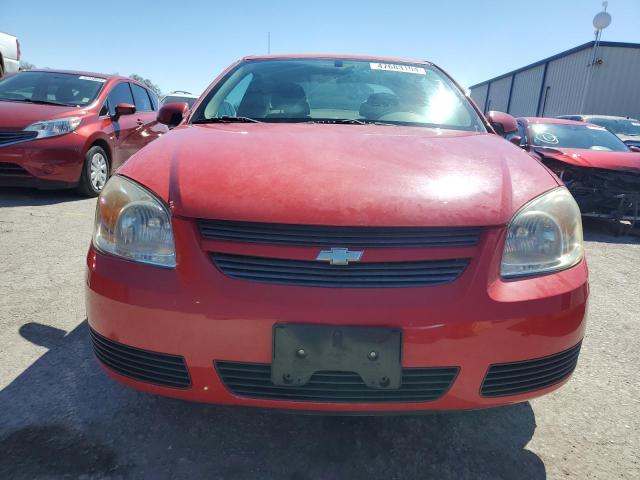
(634,148)
(502,123)
(172,114)
(125,109)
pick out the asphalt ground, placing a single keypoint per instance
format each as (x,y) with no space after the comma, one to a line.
(61,417)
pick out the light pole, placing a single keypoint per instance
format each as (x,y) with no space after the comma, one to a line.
(601,21)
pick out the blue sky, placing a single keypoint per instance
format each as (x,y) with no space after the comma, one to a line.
(184,45)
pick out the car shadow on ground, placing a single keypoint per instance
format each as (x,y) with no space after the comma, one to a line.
(64,416)
(31,197)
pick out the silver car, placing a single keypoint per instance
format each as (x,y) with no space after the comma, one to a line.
(627,129)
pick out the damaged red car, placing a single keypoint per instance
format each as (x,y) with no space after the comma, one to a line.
(599,169)
(337,233)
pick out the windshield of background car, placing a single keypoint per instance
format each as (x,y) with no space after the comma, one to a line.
(334,90)
(175,98)
(50,87)
(575,136)
(618,126)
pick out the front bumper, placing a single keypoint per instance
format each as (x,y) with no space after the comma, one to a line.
(46,163)
(196,313)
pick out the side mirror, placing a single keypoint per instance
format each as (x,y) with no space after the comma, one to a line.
(502,123)
(125,109)
(172,114)
(516,140)
(634,148)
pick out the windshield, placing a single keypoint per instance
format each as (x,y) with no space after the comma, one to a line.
(51,87)
(176,98)
(575,136)
(339,91)
(618,126)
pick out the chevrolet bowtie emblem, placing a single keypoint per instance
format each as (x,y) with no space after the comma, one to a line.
(339,256)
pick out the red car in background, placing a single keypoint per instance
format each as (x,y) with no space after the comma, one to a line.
(62,129)
(336,233)
(599,169)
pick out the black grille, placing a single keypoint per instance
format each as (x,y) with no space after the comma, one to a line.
(520,377)
(8,137)
(254,380)
(317,235)
(151,367)
(12,169)
(355,275)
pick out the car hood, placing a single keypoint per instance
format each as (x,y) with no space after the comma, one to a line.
(579,157)
(339,174)
(17,115)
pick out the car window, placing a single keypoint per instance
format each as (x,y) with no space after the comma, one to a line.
(575,136)
(141,98)
(105,109)
(177,98)
(521,132)
(340,90)
(618,126)
(154,99)
(121,93)
(52,87)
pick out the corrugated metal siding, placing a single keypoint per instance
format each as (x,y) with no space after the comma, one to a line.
(615,84)
(479,94)
(526,89)
(614,88)
(564,84)
(499,95)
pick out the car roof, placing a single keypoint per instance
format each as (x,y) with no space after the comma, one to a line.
(609,117)
(180,93)
(334,55)
(77,72)
(562,121)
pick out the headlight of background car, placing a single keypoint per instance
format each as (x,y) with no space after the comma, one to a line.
(53,128)
(132,223)
(544,236)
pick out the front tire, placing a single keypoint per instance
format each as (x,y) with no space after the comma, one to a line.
(95,172)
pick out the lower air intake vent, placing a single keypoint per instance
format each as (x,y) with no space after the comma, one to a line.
(13,169)
(253,380)
(143,365)
(520,377)
(358,275)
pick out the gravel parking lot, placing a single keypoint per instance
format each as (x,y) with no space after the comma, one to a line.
(60,416)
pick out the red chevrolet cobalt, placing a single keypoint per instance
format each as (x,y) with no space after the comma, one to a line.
(337,233)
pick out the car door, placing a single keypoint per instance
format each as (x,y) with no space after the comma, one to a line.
(124,128)
(146,115)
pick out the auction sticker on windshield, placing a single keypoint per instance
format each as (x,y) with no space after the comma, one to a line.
(93,79)
(394,67)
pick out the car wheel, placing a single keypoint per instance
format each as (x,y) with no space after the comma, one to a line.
(95,172)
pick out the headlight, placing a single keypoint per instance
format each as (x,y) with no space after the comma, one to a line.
(132,223)
(544,236)
(53,128)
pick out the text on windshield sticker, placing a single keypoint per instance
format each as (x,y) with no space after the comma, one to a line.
(394,67)
(93,79)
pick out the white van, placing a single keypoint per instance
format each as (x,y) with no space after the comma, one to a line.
(9,54)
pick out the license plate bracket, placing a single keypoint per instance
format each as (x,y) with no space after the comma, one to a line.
(374,353)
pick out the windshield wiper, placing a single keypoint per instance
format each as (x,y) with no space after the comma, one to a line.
(227,119)
(46,102)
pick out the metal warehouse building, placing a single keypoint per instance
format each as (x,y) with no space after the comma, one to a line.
(556,85)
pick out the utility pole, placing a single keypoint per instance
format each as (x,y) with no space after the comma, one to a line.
(601,21)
